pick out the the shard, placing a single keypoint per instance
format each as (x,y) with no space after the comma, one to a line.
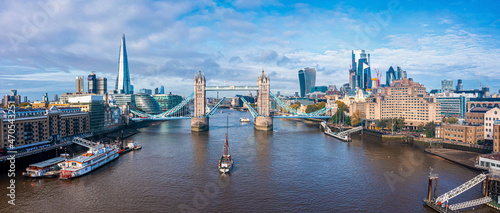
(123,79)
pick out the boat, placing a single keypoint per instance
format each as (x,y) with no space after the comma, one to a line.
(221,111)
(243,119)
(130,146)
(226,161)
(47,168)
(137,146)
(97,156)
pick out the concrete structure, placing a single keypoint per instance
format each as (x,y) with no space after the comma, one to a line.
(38,126)
(463,133)
(475,116)
(124,99)
(102,86)
(123,79)
(406,99)
(454,105)
(490,117)
(95,106)
(483,102)
(41,104)
(13,98)
(79,88)
(264,121)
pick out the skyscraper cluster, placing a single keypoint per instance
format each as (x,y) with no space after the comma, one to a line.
(360,73)
(95,85)
(307,80)
(392,75)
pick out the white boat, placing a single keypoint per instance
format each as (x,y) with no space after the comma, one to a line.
(243,119)
(226,161)
(93,159)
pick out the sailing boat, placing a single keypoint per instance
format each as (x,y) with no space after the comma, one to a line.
(226,161)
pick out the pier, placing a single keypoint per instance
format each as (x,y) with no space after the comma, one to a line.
(343,135)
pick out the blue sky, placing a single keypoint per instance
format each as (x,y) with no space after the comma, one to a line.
(44,46)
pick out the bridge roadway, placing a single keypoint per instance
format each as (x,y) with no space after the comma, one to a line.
(231,88)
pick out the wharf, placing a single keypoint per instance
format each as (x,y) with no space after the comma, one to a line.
(464,158)
(437,207)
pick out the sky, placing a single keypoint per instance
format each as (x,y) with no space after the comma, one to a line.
(45,45)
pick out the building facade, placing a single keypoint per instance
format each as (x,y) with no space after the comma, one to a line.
(361,77)
(463,133)
(123,79)
(475,116)
(447,85)
(496,136)
(490,117)
(406,99)
(92,83)
(147,104)
(35,126)
(95,106)
(307,80)
(102,86)
(79,88)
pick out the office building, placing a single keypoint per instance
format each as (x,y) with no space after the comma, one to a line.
(146,91)
(483,102)
(319,89)
(56,98)
(25,99)
(162,90)
(79,84)
(447,85)
(399,73)
(147,104)
(123,79)
(40,126)
(475,116)
(124,99)
(92,83)
(390,76)
(169,101)
(452,105)
(102,86)
(95,106)
(360,72)
(307,80)
(462,133)
(460,86)
(13,98)
(157,90)
(45,97)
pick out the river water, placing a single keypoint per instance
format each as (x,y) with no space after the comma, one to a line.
(294,168)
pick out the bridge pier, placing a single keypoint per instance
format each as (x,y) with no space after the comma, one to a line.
(199,124)
(263,123)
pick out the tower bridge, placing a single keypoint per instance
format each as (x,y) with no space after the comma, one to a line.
(262,116)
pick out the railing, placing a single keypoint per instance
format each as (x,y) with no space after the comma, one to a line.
(289,109)
(355,129)
(83,142)
(460,189)
(212,111)
(470,203)
(250,108)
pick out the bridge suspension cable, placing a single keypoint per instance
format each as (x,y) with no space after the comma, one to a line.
(289,109)
(166,113)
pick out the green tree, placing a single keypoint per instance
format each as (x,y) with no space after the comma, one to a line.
(400,123)
(295,106)
(429,129)
(451,120)
(321,105)
(311,108)
(348,120)
(420,128)
(382,123)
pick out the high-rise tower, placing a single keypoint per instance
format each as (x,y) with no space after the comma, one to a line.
(123,79)
(360,73)
(92,83)
(307,80)
(79,84)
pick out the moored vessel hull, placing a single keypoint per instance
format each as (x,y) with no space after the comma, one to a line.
(69,174)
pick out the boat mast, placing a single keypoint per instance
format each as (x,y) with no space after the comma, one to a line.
(226,144)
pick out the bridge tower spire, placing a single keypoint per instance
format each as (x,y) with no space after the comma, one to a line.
(263,121)
(199,122)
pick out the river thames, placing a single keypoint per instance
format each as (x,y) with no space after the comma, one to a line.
(295,168)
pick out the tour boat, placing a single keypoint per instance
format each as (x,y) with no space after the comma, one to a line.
(226,161)
(128,148)
(243,119)
(137,146)
(97,156)
(45,168)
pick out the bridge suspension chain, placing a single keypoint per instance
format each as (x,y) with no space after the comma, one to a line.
(212,111)
(250,108)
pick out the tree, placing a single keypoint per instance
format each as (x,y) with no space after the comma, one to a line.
(451,120)
(420,128)
(356,118)
(348,120)
(429,129)
(382,123)
(400,123)
(341,105)
(295,106)
(311,108)
(321,105)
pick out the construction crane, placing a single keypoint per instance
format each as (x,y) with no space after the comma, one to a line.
(379,76)
(442,120)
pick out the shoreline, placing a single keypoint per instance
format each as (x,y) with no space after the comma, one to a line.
(463,158)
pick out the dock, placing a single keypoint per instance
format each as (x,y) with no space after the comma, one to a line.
(343,136)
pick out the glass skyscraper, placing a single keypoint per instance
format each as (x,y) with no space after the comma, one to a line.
(447,85)
(360,73)
(390,76)
(123,79)
(307,80)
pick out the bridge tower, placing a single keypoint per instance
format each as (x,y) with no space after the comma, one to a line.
(199,122)
(263,121)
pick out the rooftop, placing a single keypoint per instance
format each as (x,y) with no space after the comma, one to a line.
(49,162)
